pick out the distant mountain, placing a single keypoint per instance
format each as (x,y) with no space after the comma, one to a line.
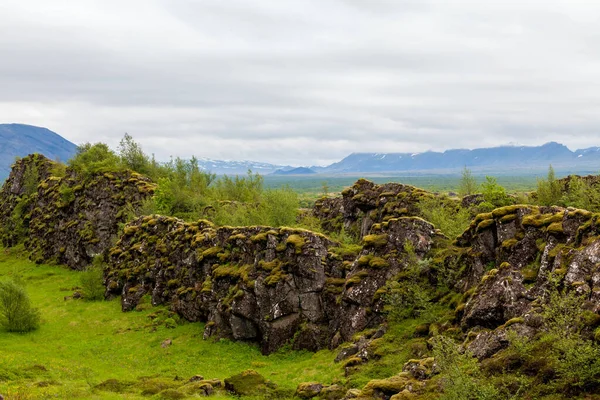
(295,171)
(222,167)
(503,158)
(17,140)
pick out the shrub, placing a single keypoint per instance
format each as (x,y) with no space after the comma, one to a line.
(461,376)
(91,281)
(468,184)
(447,217)
(16,313)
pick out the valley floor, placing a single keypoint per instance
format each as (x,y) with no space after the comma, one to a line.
(82,344)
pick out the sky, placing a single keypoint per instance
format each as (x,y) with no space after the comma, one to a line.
(303,82)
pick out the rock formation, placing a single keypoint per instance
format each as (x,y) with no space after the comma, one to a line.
(270,285)
(68,218)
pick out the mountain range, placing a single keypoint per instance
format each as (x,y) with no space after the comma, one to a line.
(17,140)
(494,159)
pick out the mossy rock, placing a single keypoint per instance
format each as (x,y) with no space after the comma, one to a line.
(171,394)
(114,385)
(378,263)
(375,240)
(485,224)
(247,383)
(297,241)
(555,228)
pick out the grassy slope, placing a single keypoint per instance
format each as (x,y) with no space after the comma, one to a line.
(81,344)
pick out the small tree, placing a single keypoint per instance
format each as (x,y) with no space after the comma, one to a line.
(549,190)
(468,184)
(91,280)
(16,313)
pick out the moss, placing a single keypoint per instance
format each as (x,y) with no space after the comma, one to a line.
(275,277)
(356,278)
(555,228)
(388,386)
(491,273)
(269,266)
(503,211)
(297,241)
(239,236)
(259,237)
(509,243)
(211,252)
(508,218)
(378,263)
(347,251)
(485,224)
(530,273)
(512,321)
(375,240)
(247,383)
(173,283)
(364,260)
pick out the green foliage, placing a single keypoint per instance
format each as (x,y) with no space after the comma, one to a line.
(94,158)
(549,190)
(91,280)
(67,194)
(468,184)
(494,195)
(408,295)
(446,216)
(462,378)
(31,179)
(132,156)
(16,313)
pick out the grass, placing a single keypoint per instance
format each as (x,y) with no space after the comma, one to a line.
(82,344)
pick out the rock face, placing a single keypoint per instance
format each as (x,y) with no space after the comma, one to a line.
(366,203)
(19,193)
(513,256)
(270,285)
(67,219)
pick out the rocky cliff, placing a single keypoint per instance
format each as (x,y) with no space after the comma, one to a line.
(270,285)
(365,203)
(67,218)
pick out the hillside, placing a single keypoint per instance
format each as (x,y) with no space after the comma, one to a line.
(18,140)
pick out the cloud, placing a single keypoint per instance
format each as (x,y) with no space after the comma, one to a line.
(303,81)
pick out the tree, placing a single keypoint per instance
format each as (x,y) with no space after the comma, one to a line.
(468,184)
(132,156)
(94,158)
(549,189)
(16,313)
(494,195)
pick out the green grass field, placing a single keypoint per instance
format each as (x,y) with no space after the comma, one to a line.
(82,344)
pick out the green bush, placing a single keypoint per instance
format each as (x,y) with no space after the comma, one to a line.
(462,378)
(16,313)
(549,190)
(446,216)
(91,282)
(468,184)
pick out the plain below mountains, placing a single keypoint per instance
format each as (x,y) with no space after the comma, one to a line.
(18,140)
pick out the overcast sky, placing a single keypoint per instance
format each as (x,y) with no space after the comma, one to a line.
(303,82)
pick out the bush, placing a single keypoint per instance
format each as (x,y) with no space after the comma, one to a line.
(16,313)
(91,281)
(461,376)
(548,190)
(447,217)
